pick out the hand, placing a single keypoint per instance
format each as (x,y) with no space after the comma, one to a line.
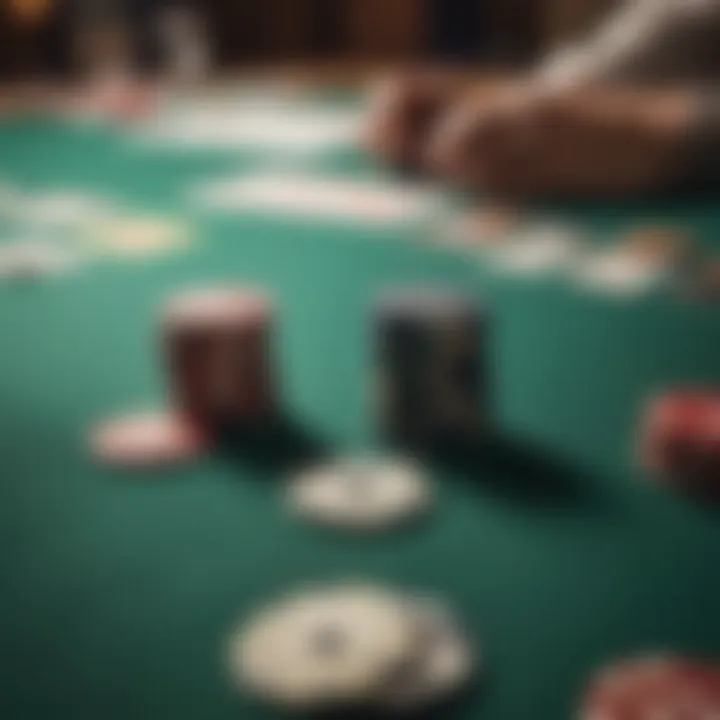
(403,110)
(581,142)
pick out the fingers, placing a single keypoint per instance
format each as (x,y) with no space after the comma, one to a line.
(491,145)
(402,111)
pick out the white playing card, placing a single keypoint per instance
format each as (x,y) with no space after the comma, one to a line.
(318,198)
(256,126)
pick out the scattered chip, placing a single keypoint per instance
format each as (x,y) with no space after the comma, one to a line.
(361,493)
(146,440)
(680,439)
(616,273)
(442,663)
(322,648)
(655,687)
(30,260)
(539,248)
(137,238)
(352,647)
(658,246)
(484,228)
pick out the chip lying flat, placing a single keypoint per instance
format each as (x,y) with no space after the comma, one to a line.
(138,237)
(442,662)
(485,228)
(654,688)
(322,648)
(146,440)
(33,260)
(540,248)
(361,494)
(351,647)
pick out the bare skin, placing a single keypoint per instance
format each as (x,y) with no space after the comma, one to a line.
(524,141)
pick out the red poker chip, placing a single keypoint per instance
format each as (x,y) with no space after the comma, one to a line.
(153,439)
(218,307)
(651,688)
(681,432)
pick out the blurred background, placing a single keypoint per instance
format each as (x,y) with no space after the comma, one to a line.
(56,37)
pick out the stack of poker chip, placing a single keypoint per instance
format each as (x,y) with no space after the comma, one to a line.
(217,346)
(430,366)
(351,647)
(217,350)
(680,440)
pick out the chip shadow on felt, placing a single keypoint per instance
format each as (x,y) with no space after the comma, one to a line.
(279,444)
(517,471)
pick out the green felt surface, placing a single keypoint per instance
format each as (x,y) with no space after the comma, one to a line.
(117,591)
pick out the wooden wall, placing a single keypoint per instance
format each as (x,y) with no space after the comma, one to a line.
(250,31)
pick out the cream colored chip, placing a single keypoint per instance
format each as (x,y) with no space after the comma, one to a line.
(138,237)
(322,648)
(361,494)
(442,663)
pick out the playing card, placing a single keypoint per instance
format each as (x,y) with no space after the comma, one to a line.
(256,126)
(318,198)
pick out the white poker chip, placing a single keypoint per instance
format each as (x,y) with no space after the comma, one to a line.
(361,493)
(138,237)
(442,663)
(29,260)
(539,249)
(617,273)
(322,648)
(65,210)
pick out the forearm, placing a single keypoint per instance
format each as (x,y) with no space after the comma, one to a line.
(644,41)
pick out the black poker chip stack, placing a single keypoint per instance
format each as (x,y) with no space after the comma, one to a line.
(430,383)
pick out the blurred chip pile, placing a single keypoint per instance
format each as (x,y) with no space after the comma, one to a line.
(352,646)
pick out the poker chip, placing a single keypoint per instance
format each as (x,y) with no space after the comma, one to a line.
(489,227)
(33,260)
(352,647)
(442,663)
(539,248)
(360,493)
(64,210)
(146,440)
(617,273)
(217,307)
(660,247)
(680,439)
(654,687)
(429,366)
(322,648)
(137,238)
(217,346)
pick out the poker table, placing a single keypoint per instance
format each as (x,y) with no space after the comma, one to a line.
(119,589)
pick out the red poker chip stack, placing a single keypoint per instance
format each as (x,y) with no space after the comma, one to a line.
(216,345)
(217,353)
(680,440)
(649,689)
